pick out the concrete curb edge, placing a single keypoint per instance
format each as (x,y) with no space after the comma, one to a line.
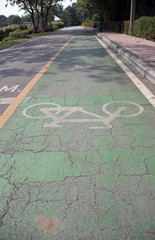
(145,68)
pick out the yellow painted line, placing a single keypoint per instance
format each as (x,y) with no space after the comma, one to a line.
(13,106)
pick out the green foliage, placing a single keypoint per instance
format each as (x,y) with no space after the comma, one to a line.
(57,24)
(71,16)
(86,8)
(3,21)
(22,27)
(1,34)
(9,29)
(88,19)
(13,19)
(18,34)
(14,31)
(126,27)
(115,10)
(48,29)
(143,27)
(39,11)
(95,17)
(109,10)
(26,18)
(88,23)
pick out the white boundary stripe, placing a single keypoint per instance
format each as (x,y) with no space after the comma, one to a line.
(146,92)
(4,101)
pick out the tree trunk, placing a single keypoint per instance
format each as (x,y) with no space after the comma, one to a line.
(42,17)
(33,22)
(46,16)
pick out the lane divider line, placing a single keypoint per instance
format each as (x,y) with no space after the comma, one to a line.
(13,106)
(144,90)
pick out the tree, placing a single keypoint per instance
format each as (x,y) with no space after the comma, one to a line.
(13,19)
(110,10)
(86,8)
(26,18)
(70,16)
(38,9)
(116,10)
(45,6)
(145,8)
(31,6)
(3,21)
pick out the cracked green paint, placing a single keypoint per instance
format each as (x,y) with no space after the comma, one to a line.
(98,184)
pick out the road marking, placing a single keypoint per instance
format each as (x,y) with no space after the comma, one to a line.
(86,67)
(4,101)
(13,106)
(51,110)
(146,92)
(7,89)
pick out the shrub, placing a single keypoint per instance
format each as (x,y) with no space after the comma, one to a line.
(29,31)
(10,28)
(126,27)
(143,27)
(95,17)
(57,24)
(87,23)
(23,27)
(48,29)
(1,34)
(18,34)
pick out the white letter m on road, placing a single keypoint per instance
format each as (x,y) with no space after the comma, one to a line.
(6,89)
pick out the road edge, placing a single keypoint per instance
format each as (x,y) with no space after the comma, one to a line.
(144,90)
(145,68)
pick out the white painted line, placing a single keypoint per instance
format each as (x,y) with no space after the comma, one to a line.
(146,92)
(4,101)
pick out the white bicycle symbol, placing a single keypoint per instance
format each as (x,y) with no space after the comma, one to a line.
(52,110)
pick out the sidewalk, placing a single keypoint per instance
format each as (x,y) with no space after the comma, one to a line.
(139,52)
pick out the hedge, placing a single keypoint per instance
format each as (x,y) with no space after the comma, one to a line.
(10,28)
(12,31)
(18,34)
(87,24)
(57,24)
(143,27)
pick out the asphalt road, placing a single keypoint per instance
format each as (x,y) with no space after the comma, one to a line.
(77,155)
(19,64)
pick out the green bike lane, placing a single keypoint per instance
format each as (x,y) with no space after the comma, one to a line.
(76,157)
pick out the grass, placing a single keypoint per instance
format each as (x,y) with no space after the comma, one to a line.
(9,43)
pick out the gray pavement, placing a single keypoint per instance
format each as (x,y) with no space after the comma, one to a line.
(137,51)
(19,64)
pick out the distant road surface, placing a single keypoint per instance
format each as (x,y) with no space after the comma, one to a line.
(19,64)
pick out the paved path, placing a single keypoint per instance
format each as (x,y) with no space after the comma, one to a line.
(19,64)
(76,157)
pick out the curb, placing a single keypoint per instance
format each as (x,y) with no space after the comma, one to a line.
(145,68)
